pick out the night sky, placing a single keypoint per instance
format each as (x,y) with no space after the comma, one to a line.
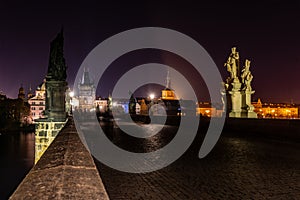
(266,33)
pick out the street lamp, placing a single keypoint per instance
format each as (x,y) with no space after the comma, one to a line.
(152,96)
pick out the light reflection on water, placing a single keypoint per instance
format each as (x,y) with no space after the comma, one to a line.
(16,158)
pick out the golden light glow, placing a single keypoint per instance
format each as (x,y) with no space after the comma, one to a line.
(272,110)
(71,94)
(152,96)
(168,94)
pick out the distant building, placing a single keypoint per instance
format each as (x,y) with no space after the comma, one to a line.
(120,106)
(206,111)
(2,96)
(168,99)
(21,94)
(37,102)
(87,93)
(14,113)
(143,108)
(30,94)
(275,110)
(168,93)
(101,104)
(167,104)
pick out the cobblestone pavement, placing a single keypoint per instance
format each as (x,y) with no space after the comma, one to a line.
(245,167)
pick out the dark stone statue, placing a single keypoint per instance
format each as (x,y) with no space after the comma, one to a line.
(57,66)
(56,84)
(132,103)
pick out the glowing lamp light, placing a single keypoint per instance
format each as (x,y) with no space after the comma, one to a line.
(152,96)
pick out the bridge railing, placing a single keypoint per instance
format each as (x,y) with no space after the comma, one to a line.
(65,171)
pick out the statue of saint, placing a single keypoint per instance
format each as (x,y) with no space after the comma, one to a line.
(247,76)
(57,66)
(232,63)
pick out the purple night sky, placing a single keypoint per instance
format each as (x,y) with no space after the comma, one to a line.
(266,33)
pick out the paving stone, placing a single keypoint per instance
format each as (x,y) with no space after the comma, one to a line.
(239,167)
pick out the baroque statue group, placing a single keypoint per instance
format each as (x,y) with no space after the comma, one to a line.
(238,88)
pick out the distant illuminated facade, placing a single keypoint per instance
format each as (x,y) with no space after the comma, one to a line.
(101,104)
(143,108)
(206,109)
(37,102)
(275,110)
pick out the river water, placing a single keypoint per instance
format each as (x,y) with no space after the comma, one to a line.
(16,159)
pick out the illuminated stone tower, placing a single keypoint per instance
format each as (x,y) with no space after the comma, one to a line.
(87,93)
(56,84)
(168,93)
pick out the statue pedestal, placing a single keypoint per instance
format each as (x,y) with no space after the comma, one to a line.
(55,102)
(247,107)
(235,104)
(241,106)
(236,97)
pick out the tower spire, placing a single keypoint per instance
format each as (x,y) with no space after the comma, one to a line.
(168,80)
